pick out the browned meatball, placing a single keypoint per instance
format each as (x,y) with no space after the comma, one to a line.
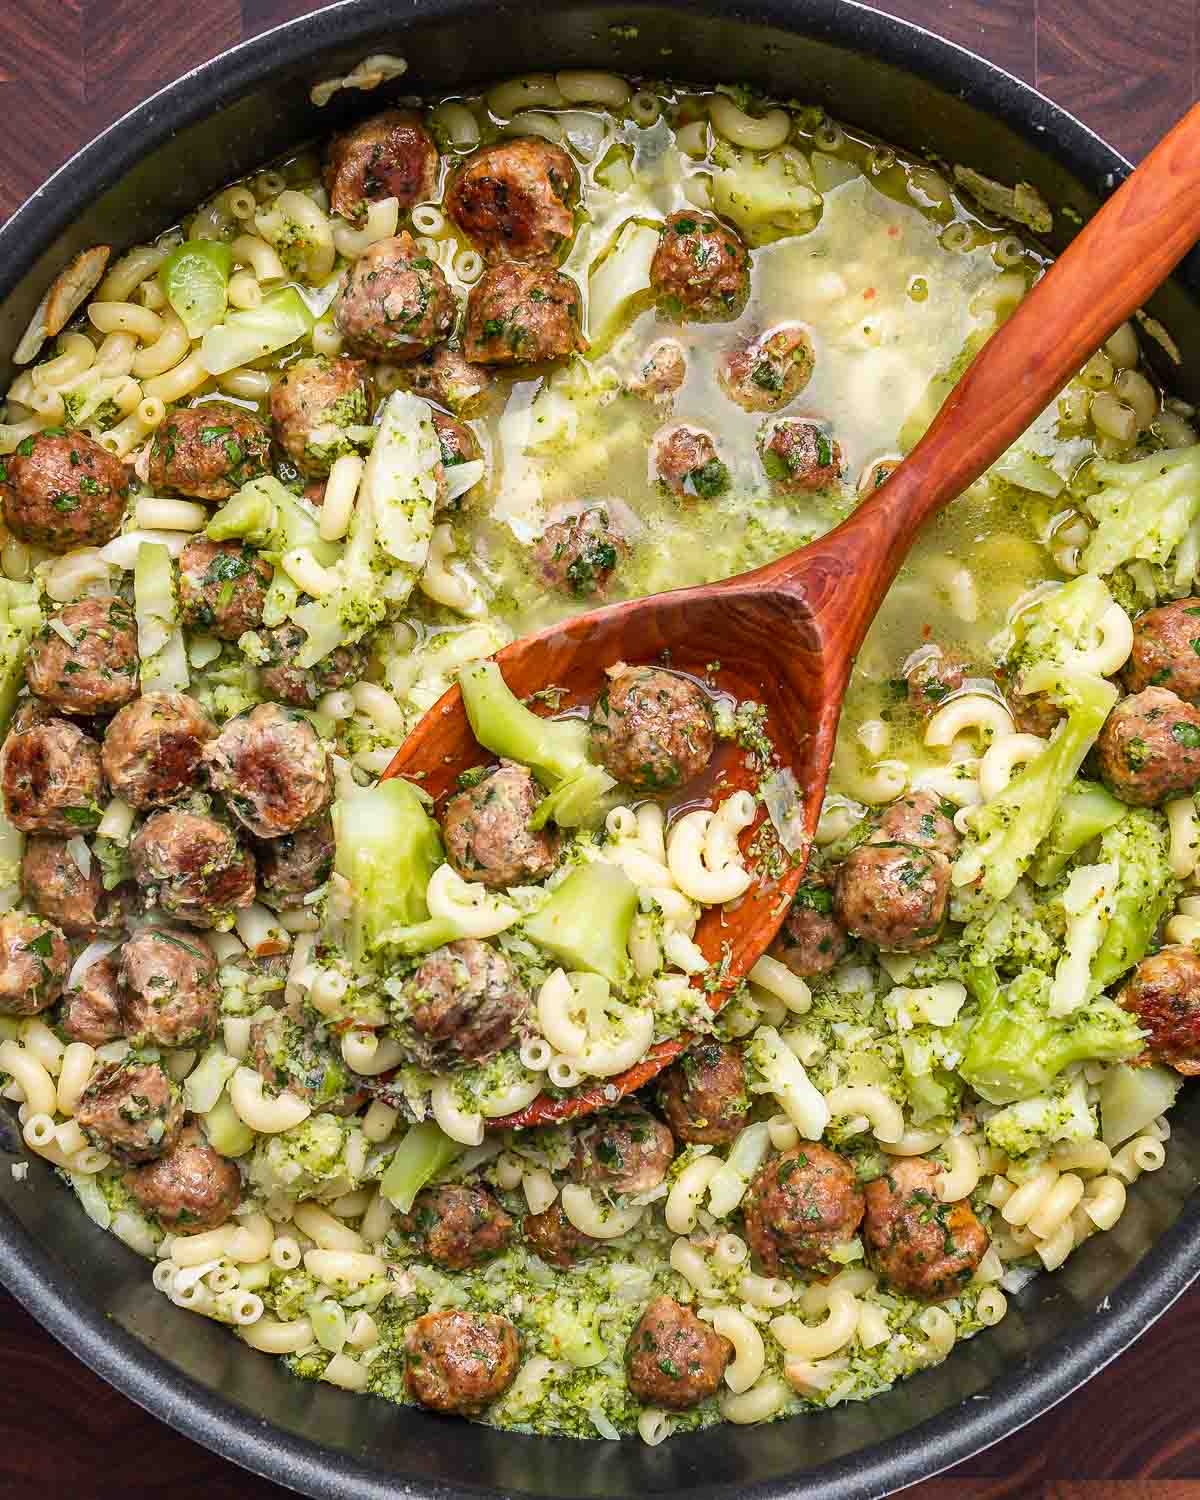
(312,404)
(92,1013)
(34,960)
(923,1247)
(290,1056)
(290,867)
(52,779)
(662,371)
(684,460)
(932,677)
(652,729)
(799,456)
(444,375)
(522,315)
(153,748)
(580,553)
(701,269)
(801,1206)
(1149,748)
(304,687)
(893,895)
(627,1151)
(272,770)
(132,1110)
(55,886)
(393,301)
(920,818)
(170,996)
(222,588)
(467,1001)
(1166,650)
(1163,992)
(190,1189)
(192,867)
(62,490)
(457,1227)
(767,373)
(209,451)
(391,155)
(94,672)
(555,1239)
(703,1095)
(460,1361)
(811,939)
(513,199)
(486,829)
(673,1359)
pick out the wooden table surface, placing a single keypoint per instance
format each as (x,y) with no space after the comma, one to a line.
(68,68)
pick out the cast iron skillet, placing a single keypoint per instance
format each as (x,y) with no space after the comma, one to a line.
(91,1292)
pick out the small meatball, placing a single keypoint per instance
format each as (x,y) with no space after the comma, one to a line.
(458,445)
(222,588)
(662,371)
(627,1151)
(190,1189)
(209,451)
(92,1013)
(652,729)
(799,457)
(292,866)
(580,553)
(153,748)
(170,996)
(391,155)
(513,199)
(52,778)
(457,1227)
(486,830)
(801,1206)
(459,1361)
(921,1246)
(673,1359)
(444,375)
(304,687)
(96,671)
(553,1237)
(920,818)
(193,868)
(289,1056)
(62,490)
(1163,992)
(132,1110)
(1166,650)
(312,404)
(704,1096)
(701,269)
(467,1002)
(811,940)
(522,315)
(1149,748)
(34,962)
(893,895)
(272,770)
(769,372)
(684,460)
(1034,714)
(931,676)
(55,886)
(394,302)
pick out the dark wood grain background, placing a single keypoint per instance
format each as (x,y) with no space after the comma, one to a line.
(68,68)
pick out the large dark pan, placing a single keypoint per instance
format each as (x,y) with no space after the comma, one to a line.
(232,115)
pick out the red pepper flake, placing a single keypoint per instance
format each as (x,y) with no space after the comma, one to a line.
(869,294)
(893,231)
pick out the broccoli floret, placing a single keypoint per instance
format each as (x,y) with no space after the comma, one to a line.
(1146,890)
(767,197)
(1060,1114)
(587,921)
(1142,509)
(1060,626)
(1085,811)
(931,1054)
(322,1157)
(387,848)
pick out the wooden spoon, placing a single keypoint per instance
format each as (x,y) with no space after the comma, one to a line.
(787,634)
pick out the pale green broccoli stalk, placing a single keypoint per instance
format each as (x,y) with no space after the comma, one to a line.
(156,608)
(1085,811)
(387,848)
(1132,1098)
(225,1130)
(1089,901)
(1146,891)
(268,516)
(587,921)
(279,320)
(20,617)
(1035,1124)
(421,1155)
(1143,509)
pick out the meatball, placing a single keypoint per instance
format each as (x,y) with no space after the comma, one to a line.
(391,155)
(444,375)
(580,553)
(209,451)
(662,371)
(893,895)
(132,1110)
(170,996)
(923,1247)
(931,676)
(467,1002)
(34,960)
(522,315)
(272,770)
(292,866)
(457,445)
(459,1361)
(555,1239)
(1163,992)
(486,830)
(52,778)
(153,748)
(222,588)
(312,404)
(701,269)
(799,457)
(801,1206)
(457,1227)
(193,868)
(704,1096)
(62,490)
(627,1151)
(1149,748)
(513,199)
(673,1359)
(394,302)
(918,818)
(1034,714)
(811,940)
(684,460)
(767,373)
(303,687)
(288,1056)
(1166,650)
(92,1013)
(95,671)
(652,729)
(55,886)
(190,1189)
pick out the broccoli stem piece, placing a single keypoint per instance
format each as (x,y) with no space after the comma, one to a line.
(586,922)
(424,937)
(1086,810)
(1139,846)
(421,1155)
(227,1134)
(387,848)
(20,616)
(268,516)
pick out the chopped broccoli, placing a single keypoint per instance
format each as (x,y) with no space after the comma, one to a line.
(767,197)
(387,848)
(322,1157)
(1085,811)
(1089,901)
(1060,627)
(419,1157)
(1142,509)
(587,920)
(1060,1114)
(1146,890)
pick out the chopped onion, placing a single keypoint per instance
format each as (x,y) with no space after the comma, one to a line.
(460,478)
(122,551)
(1017,1277)
(60,629)
(785,808)
(90,955)
(78,850)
